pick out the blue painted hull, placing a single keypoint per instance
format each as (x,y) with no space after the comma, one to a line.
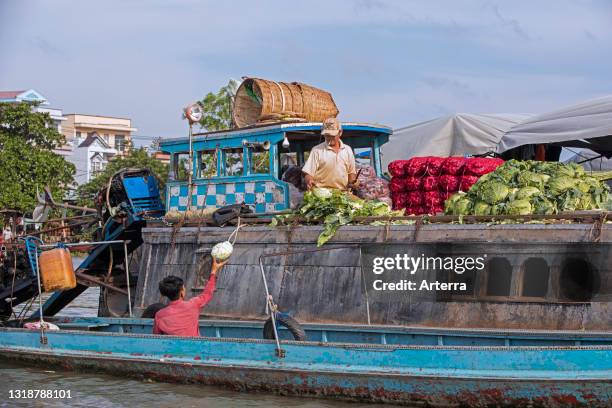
(436,375)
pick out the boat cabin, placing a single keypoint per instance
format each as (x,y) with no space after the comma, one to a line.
(246,165)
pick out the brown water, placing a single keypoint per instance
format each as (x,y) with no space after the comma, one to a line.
(102,391)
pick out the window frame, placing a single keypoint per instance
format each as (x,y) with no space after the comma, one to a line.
(215,153)
(256,149)
(224,168)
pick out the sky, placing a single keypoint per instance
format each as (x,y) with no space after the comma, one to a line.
(389,62)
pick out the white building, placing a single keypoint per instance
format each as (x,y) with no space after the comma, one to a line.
(90,157)
(31,95)
(91,140)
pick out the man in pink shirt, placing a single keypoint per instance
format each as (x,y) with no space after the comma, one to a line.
(180,317)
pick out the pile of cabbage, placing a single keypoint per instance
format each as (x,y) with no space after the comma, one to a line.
(532,187)
(334,208)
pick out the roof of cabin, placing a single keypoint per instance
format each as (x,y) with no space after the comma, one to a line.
(313,127)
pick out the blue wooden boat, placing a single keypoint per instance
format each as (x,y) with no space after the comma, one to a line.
(407,365)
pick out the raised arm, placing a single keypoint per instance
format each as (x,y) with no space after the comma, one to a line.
(203,298)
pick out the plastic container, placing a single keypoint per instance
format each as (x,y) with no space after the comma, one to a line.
(56,270)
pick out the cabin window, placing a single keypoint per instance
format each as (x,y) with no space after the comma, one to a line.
(180,166)
(289,159)
(499,277)
(578,280)
(207,164)
(535,278)
(364,156)
(260,160)
(233,162)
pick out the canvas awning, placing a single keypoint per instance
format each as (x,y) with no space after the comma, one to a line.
(585,125)
(455,135)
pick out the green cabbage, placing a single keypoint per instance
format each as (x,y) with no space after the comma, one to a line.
(530,179)
(560,184)
(519,207)
(527,192)
(493,192)
(462,207)
(481,208)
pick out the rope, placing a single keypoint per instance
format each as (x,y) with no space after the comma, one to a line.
(234,235)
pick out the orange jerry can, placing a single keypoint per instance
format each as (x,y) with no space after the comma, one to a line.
(56,270)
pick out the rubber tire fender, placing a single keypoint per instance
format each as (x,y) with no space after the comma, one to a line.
(283,319)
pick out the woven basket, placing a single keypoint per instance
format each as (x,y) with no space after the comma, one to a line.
(259,98)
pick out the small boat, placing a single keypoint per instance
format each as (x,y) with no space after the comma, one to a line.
(436,367)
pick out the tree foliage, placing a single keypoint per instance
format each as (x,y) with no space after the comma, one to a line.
(135,158)
(27,160)
(217,108)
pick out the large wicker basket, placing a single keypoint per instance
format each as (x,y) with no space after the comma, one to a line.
(260,100)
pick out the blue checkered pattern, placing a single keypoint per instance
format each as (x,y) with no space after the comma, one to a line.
(264,196)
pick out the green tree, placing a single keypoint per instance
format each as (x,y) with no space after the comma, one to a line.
(217,108)
(27,160)
(135,158)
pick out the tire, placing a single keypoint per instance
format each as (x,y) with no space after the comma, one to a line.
(287,321)
(151,310)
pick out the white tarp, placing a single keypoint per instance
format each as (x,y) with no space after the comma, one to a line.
(583,121)
(578,125)
(455,135)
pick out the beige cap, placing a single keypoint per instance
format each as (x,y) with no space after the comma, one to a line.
(331,127)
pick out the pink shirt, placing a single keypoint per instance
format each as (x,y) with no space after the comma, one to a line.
(180,317)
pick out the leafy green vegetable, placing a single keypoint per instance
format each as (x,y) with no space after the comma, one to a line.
(530,187)
(481,208)
(527,192)
(334,208)
(493,192)
(519,207)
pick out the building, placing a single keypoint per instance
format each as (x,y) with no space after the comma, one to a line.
(33,96)
(91,140)
(116,132)
(162,157)
(90,157)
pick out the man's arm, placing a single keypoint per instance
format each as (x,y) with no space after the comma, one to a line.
(352,171)
(309,170)
(309,180)
(203,298)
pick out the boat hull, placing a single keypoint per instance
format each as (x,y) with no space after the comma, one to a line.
(383,388)
(432,375)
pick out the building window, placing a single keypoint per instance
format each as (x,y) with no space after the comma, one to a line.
(96,167)
(233,161)
(499,277)
(535,278)
(260,160)
(120,143)
(207,164)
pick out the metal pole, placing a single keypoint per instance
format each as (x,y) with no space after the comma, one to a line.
(43,338)
(189,193)
(279,351)
(83,243)
(127,276)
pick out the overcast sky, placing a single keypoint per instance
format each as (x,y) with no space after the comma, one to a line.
(392,62)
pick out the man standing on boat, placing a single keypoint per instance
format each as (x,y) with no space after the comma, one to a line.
(331,164)
(180,317)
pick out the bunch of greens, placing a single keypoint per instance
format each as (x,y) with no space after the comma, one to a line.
(532,187)
(335,208)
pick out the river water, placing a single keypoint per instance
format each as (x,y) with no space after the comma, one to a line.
(102,391)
